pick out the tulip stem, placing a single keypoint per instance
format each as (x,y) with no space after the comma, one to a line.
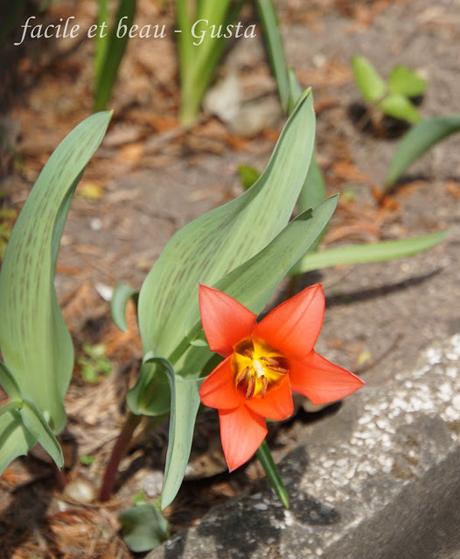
(119,451)
(274,477)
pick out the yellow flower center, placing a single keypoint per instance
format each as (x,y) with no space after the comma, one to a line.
(257,367)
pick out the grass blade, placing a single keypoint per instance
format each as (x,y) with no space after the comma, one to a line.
(113,51)
(101,40)
(366,253)
(417,142)
(274,43)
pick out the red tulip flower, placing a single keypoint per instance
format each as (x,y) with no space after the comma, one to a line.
(264,363)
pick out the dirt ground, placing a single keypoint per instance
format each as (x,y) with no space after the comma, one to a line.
(150,177)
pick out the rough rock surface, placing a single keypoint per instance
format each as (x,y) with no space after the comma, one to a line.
(378,479)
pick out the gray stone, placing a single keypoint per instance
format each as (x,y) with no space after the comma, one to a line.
(378,479)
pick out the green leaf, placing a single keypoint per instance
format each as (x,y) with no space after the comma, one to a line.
(87,459)
(8,383)
(363,254)
(404,81)
(198,62)
(185,401)
(113,52)
(314,188)
(253,283)
(15,439)
(274,44)
(37,425)
(222,239)
(417,142)
(399,106)
(36,346)
(101,40)
(248,176)
(120,298)
(295,90)
(143,527)
(150,395)
(273,474)
(371,86)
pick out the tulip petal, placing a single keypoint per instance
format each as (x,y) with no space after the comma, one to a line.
(321,381)
(241,433)
(294,326)
(277,404)
(218,389)
(225,320)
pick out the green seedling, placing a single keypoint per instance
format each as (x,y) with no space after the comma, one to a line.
(94,364)
(393,97)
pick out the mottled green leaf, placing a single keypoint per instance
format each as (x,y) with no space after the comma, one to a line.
(36,346)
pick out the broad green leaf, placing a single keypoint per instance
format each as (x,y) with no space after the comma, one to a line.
(37,425)
(417,142)
(120,298)
(366,253)
(36,346)
(113,52)
(273,474)
(222,239)
(248,176)
(8,383)
(143,527)
(15,439)
(275,49)
(371,86)
(186,401)
(253,283)
(399,106)
(404,81)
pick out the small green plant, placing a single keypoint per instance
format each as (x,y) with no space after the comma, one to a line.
(94,365)
(143,526)
(393,97)
(87,459)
